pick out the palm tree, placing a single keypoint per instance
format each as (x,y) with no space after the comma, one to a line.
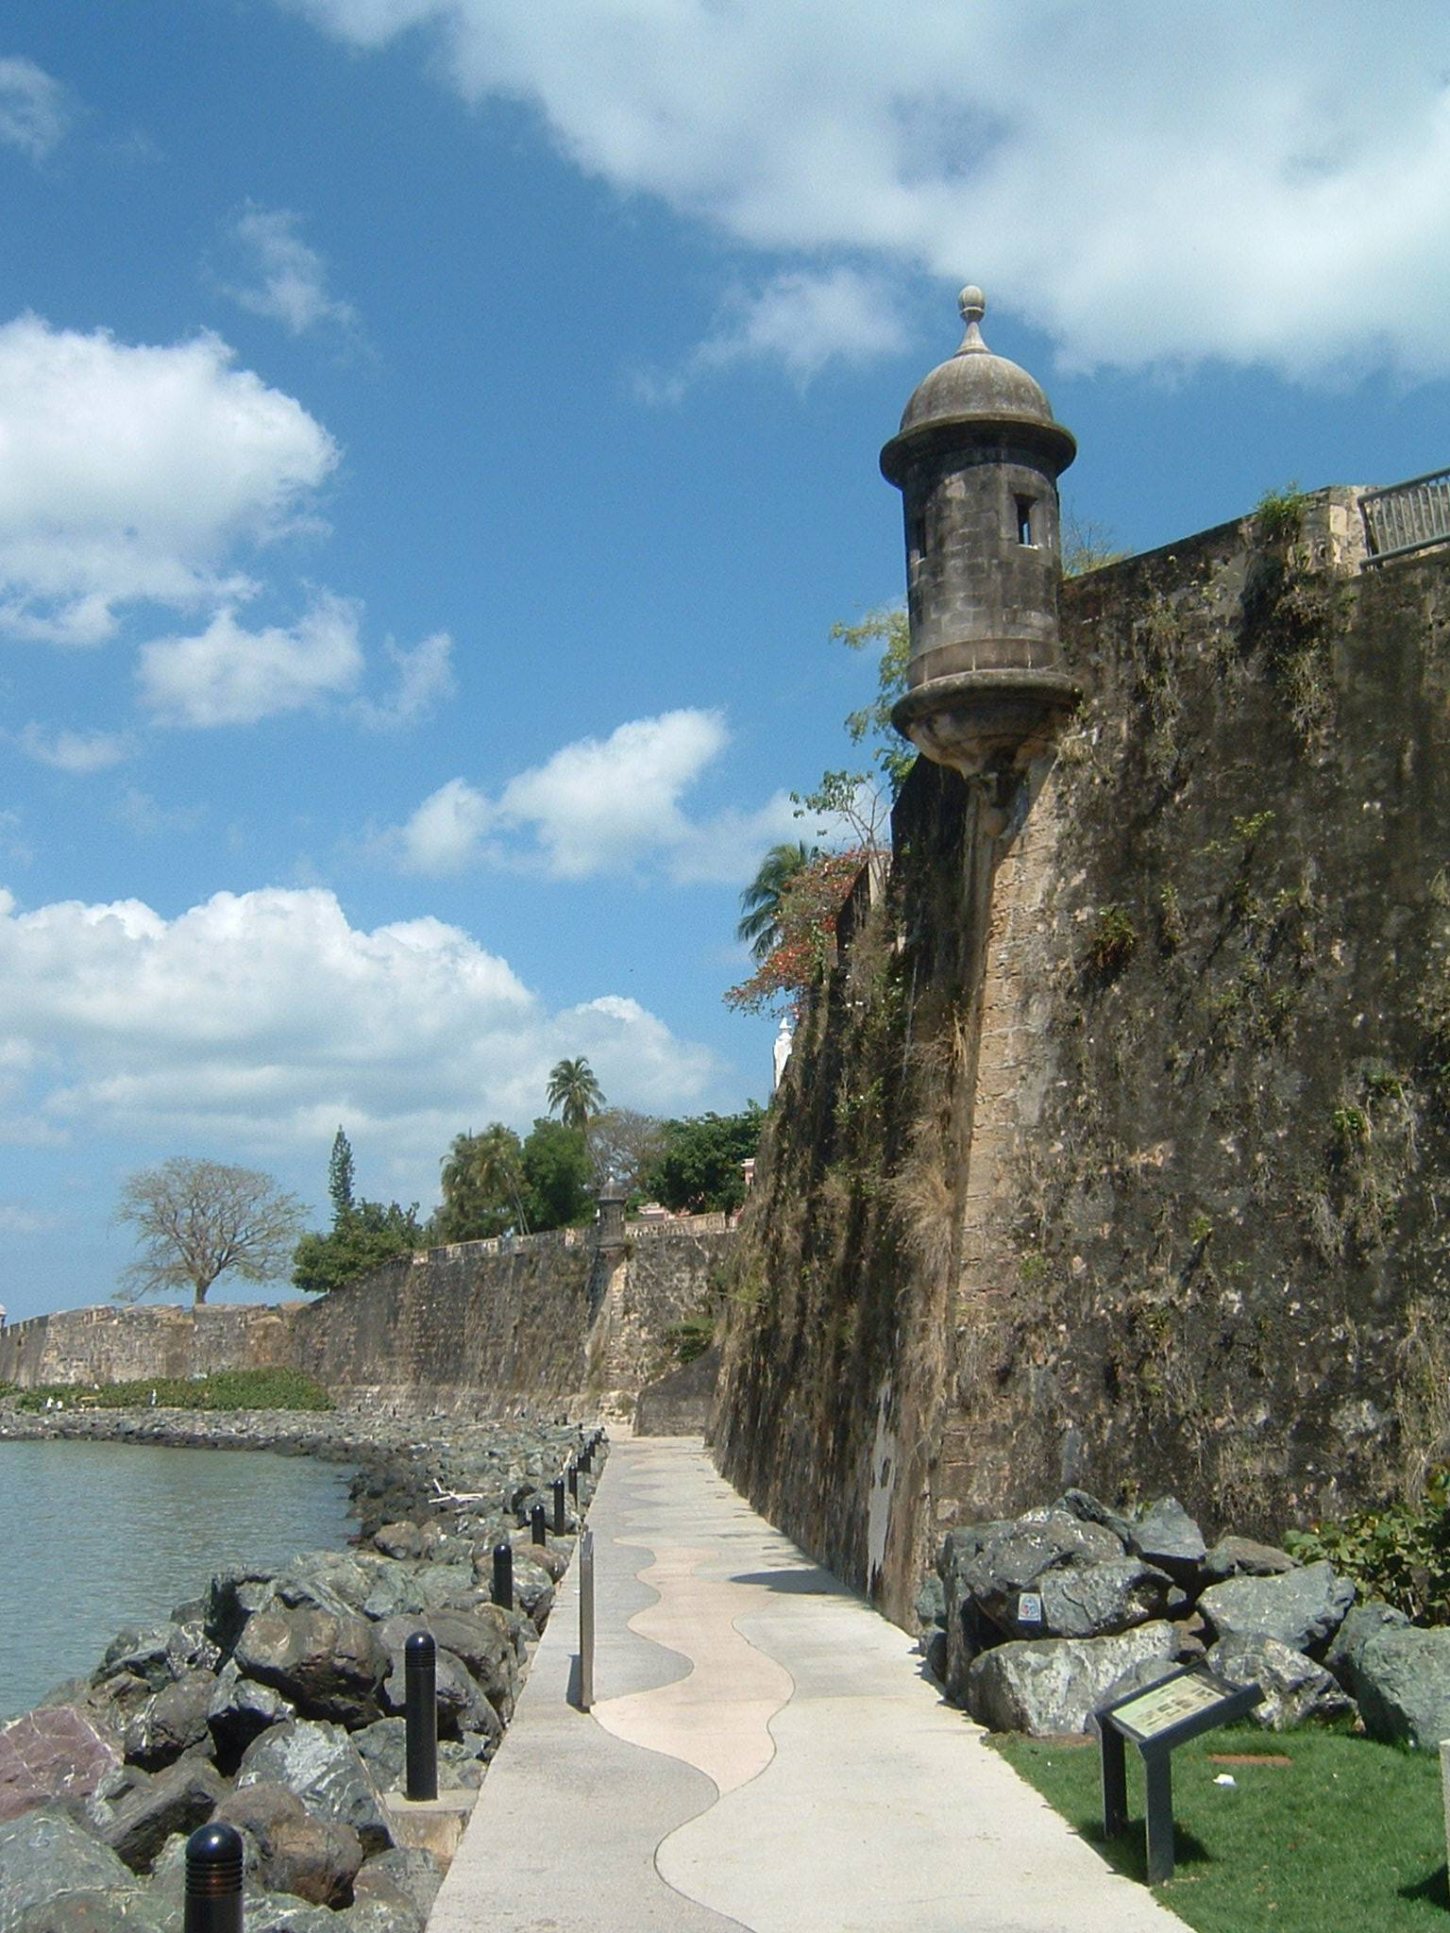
(759,924)
(574,1092)
(482,1184)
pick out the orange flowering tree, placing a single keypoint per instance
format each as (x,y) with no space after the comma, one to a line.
(810,901)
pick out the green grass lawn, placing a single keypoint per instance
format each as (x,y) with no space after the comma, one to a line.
(1348,1835)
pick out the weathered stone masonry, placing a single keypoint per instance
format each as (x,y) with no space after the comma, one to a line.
(1157,1079)
(470,1326)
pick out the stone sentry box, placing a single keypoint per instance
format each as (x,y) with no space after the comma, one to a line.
(1157,1719)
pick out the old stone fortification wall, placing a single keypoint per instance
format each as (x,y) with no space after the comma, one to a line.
(1114,1151)
(478,1323)
(110,1344)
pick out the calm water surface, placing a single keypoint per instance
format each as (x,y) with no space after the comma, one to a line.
(94,1536)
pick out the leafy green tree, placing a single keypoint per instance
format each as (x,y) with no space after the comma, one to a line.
(888,629)
(365,1236)
(574,1093)
(759,926)
(340,1176)
(483,1186)
(700,1168)
(556,1175)
(196,1220)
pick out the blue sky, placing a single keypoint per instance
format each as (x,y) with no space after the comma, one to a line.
(437,437)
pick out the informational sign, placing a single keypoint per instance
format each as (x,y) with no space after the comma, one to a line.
(1177,1708)
(1029,1608)
(1161,1707)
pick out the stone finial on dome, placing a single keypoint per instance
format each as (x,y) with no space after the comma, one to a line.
(973,306)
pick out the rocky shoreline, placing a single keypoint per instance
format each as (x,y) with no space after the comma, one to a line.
(274,1699)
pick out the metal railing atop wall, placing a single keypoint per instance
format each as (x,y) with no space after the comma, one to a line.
(1407,516)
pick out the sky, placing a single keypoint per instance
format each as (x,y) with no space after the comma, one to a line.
(438,436)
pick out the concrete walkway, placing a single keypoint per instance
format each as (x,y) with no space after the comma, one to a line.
(763,1753)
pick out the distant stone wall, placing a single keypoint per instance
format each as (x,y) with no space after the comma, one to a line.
(458,1327)
(119,1345)
(476,1324)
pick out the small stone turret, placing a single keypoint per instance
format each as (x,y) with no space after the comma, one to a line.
(977,460)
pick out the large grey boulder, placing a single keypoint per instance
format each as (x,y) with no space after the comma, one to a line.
(402,1541)
(330,1667)
(1402,1682)
(1082,1504)
(1023,1558)
(107,1910)
(1243,1557)
(171,1721)
(45,1854)
(59,1752)
(408,1872)
(232,1597)
(1167,1536)
(319,1764)
(241,1709)
(533,1590)
(179,1799)
(160,1655)
(966,1627)
(1361,1624)
(1295,1688)
(1051,1686)
(294,1851)
(1303,1608)
(1097,1600)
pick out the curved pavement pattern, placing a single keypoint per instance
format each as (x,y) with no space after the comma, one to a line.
(764,1754)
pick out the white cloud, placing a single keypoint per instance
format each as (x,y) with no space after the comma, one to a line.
(425,679)
(447,831)
(1152,185)
(33,111)
(254,1023)
(76,752)
(228,675)
(287,279)
(134,472)
(800,320)
(599,806)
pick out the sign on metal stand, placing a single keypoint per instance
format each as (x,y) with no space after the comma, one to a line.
(586,1621)
(1169,1713)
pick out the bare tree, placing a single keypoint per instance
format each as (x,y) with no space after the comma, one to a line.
(195,1220)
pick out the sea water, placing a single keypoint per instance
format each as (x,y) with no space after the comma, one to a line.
(95,1536)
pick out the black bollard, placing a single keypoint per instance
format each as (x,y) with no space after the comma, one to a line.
(503,1576)
(420,1709)
(538,1524)
(574,1481)
(214,1880)
(586,1458)
(558,1506)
